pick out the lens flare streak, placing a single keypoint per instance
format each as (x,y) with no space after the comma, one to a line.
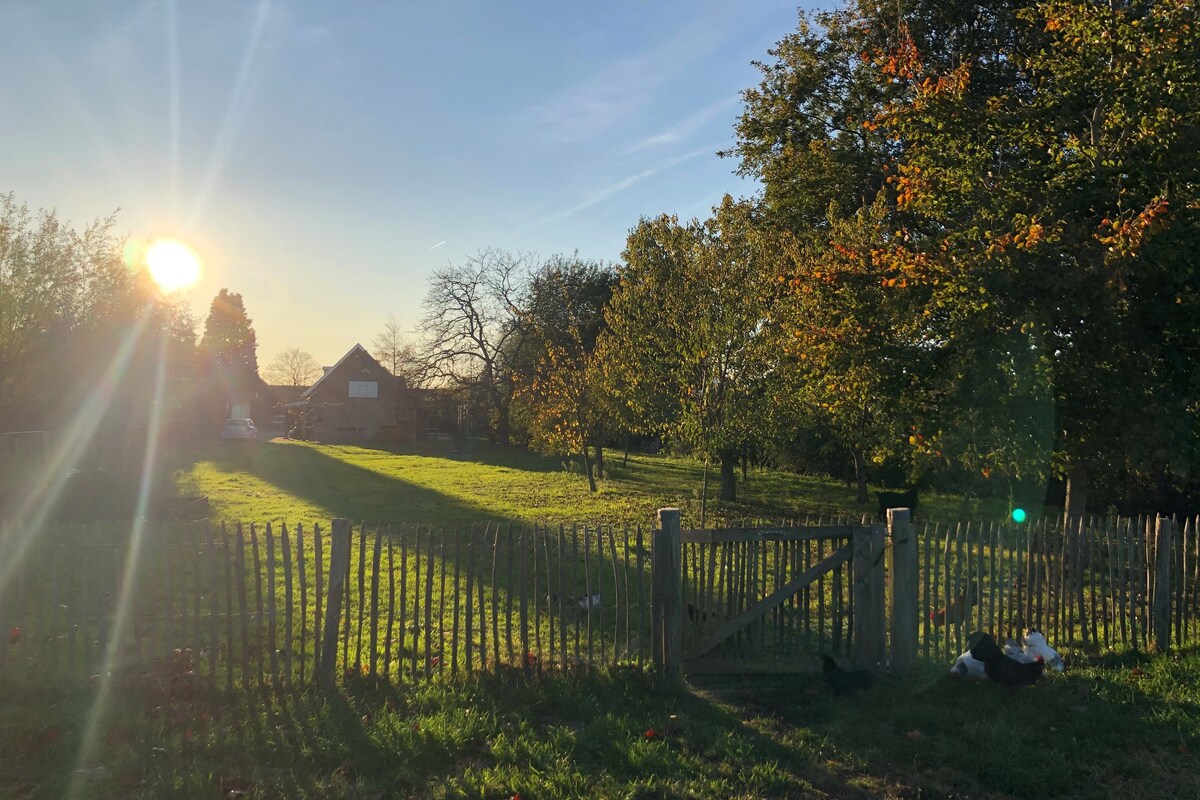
(91,737)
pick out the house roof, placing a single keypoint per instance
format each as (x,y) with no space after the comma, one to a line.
(330,370)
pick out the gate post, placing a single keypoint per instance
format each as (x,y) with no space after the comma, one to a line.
(1164,536)
(869,610)
(666,606)
(905,580)
(339,566)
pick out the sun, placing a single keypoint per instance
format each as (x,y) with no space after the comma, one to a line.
(173,265)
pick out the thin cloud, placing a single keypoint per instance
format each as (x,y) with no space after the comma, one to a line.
(439,244)
(600,195)
(618,90)
(685,128)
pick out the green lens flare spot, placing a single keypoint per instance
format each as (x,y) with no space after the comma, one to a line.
(1018,515)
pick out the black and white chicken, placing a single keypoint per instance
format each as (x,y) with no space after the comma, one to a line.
(1002,668)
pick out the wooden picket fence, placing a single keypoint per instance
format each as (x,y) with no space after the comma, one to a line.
(272,606)
(1099,585)
(185,606)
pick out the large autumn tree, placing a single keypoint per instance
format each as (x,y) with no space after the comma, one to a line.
(690,333)
(1037,165)
(1056,212)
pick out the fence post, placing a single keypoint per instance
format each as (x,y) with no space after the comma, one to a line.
(1164,535)
(666,606)
(869,608)
(339,566)
(905,581)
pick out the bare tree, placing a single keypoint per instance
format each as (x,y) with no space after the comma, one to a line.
(292,367)
(398,354)
(475,329)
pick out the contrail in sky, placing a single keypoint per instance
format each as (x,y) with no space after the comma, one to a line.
(439,244)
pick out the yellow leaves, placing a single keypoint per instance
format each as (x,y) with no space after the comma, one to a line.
(1125,234)
(910,184)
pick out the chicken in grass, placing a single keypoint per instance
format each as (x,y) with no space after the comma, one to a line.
(1036,645)
(967,668)
(1001,668)
(845,682)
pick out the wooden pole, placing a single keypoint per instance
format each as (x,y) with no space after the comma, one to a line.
(339,566)
(868,596)
(905,580)
(1164,533)
(665,594)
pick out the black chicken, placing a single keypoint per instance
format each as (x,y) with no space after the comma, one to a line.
(845,682)
(999,667)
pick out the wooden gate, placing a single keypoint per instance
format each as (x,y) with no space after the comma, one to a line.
(770,600)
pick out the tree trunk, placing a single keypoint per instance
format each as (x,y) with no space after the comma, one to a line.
(587,468)
(628,442)
(860,475)
(599,461)
(503,427)
(728,477)
(704,495)
(1075,506)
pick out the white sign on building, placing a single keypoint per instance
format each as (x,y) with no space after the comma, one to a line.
(364,389)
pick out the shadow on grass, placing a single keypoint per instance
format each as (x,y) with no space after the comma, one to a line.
(1096,733)
(345,489)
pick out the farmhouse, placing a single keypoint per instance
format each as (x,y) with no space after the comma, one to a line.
(358,400)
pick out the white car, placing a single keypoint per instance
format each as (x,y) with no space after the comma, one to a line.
(239,429)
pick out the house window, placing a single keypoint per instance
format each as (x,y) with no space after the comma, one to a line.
(364,389)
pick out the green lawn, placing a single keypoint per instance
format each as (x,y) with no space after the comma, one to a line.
(1122,729)
(293,481)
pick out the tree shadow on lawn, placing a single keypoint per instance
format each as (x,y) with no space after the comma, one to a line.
(476,452)
(344,489)
(1099,733)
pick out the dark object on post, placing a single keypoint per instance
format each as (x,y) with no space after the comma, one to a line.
(999,667)
(845,682)
(906,499)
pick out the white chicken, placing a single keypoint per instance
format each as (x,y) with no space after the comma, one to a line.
(967,667)
(1035,646)
(1014,651)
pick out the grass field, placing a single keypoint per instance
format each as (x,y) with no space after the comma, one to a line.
(1114,726)
(1124,728)
(284,480)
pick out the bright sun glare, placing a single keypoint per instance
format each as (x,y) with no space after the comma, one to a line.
(173,265)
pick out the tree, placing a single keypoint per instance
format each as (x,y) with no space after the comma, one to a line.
(855,357)
(228,353)
(475,330)
(690,333)
(561,379)
(292,367)
(1054,211)
(397,354)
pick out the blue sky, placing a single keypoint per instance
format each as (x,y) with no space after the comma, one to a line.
(324,158)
